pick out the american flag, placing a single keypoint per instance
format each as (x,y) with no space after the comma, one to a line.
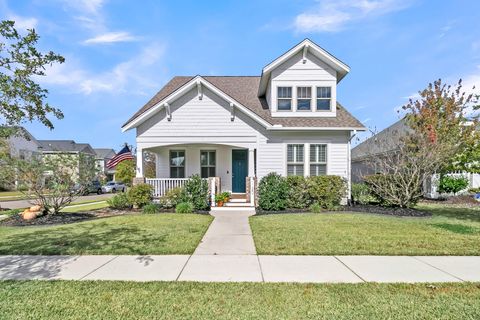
(124,154)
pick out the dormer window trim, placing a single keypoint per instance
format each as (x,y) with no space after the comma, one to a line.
(304,94)
(285,94)
(323,93)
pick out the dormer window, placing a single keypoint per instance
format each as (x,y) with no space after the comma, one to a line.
(324,97)
(284,98)
(304,98)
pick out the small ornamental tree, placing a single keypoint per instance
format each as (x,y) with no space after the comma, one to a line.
(54,181)
(125,172)
(22,98)
(442,125)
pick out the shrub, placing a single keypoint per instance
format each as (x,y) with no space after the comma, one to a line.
(151,208)
(452,184)
(272,192)
(171,198)
(140,195)
(327,191)
(297,196)
(195,192)
(184,207)
(389,193)
(316,208)
(361,194)
(119,201)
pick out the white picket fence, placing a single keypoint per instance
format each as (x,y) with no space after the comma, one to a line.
(431,186)
(162,185)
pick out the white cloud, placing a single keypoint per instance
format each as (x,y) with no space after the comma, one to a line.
(23,22)
(111,37)
(89,15)
(334,15)
(132,76)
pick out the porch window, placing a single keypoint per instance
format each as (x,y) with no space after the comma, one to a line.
(177,164)
(318,159)
(304,98)
(295,159)
(284,98)
(324,97)
(207,163)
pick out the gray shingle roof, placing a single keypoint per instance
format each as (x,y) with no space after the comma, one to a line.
(104,153)
(384,141)
(244,89)
(65,146)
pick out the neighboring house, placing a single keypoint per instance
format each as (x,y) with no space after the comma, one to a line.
(102,156)
(82,153)
(23,145)
(387,141)
(380,143)
(238,128)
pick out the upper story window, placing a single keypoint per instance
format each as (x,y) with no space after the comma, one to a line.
(295,159)
(304,98)
(177,164)
(284,98)
(324,98)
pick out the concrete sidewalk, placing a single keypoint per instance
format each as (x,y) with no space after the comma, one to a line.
(243,268)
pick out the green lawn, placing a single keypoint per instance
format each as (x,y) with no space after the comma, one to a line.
(190,300)
(94,205)
(450,231)
(133,234)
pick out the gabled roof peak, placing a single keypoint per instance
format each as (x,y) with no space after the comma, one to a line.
(305,45)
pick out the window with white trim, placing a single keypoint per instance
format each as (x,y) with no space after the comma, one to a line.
(207,163)
(318,159)
(177,163)
(304,98)
(295,159)
(284,98)
(324,98)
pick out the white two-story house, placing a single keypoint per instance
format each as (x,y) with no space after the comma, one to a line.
(240,128)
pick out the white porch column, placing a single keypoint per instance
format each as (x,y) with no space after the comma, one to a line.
(251,162)
(139,173)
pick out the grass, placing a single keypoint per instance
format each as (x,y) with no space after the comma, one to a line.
(189,300)
(10,193)
(86,207)
(132,234)
(450,231)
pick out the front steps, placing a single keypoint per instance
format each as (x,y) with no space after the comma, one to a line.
(237,202)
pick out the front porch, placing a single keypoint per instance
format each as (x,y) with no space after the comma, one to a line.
(226,167)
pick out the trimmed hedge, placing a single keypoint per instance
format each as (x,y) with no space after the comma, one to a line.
(278,193)
(273,192)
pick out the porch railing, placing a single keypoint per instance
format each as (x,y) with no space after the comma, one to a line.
(162,185)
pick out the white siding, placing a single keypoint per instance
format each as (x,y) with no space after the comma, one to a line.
(294,73)
(198,121)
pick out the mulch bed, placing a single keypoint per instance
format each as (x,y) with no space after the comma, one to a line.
(398,212)
(369,209)
(464,200)
(16,220)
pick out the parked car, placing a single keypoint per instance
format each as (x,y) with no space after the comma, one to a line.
(93,187)
(114,186)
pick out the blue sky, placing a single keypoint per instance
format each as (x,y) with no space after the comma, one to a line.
(119,53)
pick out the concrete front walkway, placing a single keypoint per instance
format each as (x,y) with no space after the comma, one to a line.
(228,234)
(248,268)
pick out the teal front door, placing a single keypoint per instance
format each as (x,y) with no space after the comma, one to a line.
(239,170)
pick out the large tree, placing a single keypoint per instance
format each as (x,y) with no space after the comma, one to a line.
(21,63)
